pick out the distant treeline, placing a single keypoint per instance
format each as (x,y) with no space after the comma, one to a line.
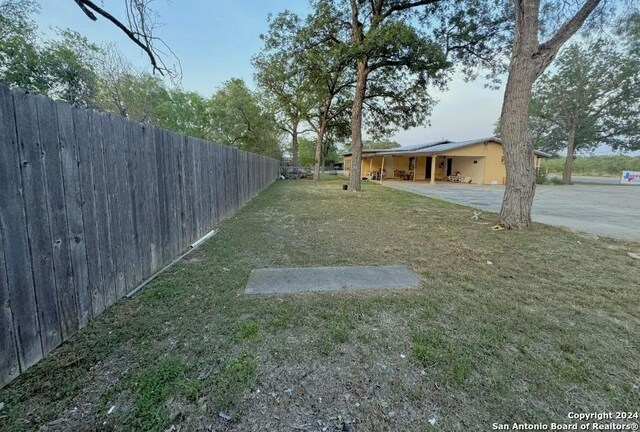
(595,165)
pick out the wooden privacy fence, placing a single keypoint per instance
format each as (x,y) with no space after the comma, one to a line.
(91,205)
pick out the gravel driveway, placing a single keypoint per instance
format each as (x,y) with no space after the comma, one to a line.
(608,210)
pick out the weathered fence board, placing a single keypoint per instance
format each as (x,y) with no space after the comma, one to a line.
(19,276)
(90,206)
(101,201)
(83,136)
(35,203)
(73,203)
(113,177)
(9,364)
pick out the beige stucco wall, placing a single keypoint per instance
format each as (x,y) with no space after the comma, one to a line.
(469,169)
(489,169)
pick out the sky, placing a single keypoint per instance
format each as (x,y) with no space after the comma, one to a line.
(215,40)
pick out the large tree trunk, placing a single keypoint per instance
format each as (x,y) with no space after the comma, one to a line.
(529,59)
(294,143)
(568,163)
(356,126)
(518,145)
(318,153)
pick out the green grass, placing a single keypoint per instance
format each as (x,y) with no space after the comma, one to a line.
(597,166)
(550,327)
(248,330)
(151,388)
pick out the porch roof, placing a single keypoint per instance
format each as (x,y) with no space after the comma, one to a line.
(437,147)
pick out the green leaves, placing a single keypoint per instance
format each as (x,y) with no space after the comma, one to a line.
(238,118)
(63,68)
(69,66)
(594,91)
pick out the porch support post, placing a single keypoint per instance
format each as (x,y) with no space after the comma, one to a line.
(381,169)
(415,167)
(433,169)
(370,165)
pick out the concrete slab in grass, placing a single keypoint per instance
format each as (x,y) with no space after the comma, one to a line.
(295,280)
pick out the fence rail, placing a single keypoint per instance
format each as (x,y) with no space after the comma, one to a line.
(92,204)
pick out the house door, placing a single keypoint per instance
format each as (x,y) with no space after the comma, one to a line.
(449,166)
(428,171)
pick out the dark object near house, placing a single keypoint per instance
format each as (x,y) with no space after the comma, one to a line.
(294,173)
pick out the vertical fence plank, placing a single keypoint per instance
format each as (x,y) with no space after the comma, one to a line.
(125,209)
(181,196)
(142,193)
(155,239)
(128,149)
(101,204)
(222,182)
(163,194)
(56,209)
(211,182)
(207,182)
(171,171)
(214,179)
(9,363)
(37,216)
(73,204)
(189,205)
(13,225)
(83,135)
(121,197)
(247,177)
(145,220)
(229,178)
(113,204)
(171,175)
(203,196)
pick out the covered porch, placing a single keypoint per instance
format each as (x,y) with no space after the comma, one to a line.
(424,168)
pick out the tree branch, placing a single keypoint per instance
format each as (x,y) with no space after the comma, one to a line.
(568,29)
(87,11)
(88,6)
(407,5)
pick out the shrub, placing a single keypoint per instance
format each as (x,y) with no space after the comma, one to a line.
(541,176)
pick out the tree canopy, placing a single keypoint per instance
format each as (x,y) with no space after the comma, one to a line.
(590,98)
(70,67)
(63,67)
(237,117)
(307,75)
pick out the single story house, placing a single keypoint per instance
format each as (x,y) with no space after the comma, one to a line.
(479,161)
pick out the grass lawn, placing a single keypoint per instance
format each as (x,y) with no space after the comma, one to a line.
(551,326)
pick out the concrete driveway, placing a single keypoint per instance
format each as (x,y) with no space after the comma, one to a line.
(603,210)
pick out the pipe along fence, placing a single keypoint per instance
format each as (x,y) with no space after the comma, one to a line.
(92,204)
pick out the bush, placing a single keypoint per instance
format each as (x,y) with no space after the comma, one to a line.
(541,176)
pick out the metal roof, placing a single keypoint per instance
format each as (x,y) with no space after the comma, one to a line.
(436,147)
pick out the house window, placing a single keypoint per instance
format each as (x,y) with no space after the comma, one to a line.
(412,163)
